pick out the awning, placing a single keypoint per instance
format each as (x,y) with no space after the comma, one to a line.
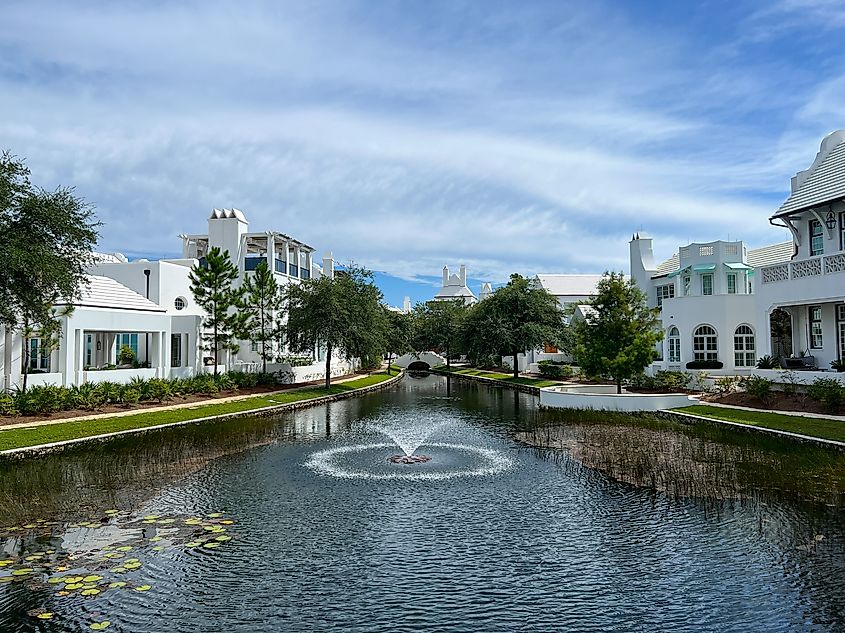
(703,268)
(739,266)
(675,273)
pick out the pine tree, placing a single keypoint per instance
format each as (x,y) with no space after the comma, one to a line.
(211,286)
(261,308)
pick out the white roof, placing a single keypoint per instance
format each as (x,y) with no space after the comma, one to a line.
(569,285)
(763,256)
(104,292)
(454,292)
(824,181)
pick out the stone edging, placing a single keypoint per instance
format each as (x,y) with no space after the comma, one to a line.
(43,449)
(685,418)
(534,391)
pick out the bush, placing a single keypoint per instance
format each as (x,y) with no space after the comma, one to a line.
(244,380)
(767,362)
(7,405)
(126,355)
(727,384)
(160,389)
(759,387)
(38,400)
(129,395)
(829,392)
(672,380)
(705,364)
(553,369)
(644,381)
(838,365)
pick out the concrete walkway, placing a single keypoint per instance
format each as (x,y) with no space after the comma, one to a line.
(170,407)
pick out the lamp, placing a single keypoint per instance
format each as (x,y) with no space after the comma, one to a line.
(830,221)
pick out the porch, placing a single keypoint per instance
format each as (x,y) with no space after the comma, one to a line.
(807,336)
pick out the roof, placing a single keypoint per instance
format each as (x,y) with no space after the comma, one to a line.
(104,292)
(757,257)
(453,292)
(823,182)
(569,285)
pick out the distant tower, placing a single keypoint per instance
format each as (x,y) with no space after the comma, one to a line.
(328,265)
(445,275)
(406,305)
(642,259)
(486,290)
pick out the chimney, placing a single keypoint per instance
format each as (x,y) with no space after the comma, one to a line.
(445,275)
(328,265)
(406,305)
(463,274)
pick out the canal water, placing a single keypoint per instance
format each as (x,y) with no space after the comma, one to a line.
(301,523)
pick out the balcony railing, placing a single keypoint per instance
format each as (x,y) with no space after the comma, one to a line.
(801,268)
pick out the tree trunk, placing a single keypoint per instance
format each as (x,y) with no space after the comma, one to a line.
(328,365)
(216,346)
(618,385)
(515,364)
(389,359)
(447,358)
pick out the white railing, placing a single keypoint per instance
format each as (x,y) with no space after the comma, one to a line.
(803,268)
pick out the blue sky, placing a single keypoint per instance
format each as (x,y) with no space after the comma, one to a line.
(509,136)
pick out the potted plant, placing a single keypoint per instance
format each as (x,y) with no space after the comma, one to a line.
(838,365)
(126,356)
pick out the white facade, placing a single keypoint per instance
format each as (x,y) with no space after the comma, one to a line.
(810,287)
(455,287)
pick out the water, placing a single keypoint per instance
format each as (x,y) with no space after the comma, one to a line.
(323,534)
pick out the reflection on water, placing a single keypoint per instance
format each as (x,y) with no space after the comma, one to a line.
(332,537)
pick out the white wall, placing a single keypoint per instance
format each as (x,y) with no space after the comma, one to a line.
(605,398)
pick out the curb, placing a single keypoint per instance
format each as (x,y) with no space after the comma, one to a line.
(751,428)
(52,447)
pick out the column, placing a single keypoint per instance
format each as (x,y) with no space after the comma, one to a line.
(297,254)
(271,252)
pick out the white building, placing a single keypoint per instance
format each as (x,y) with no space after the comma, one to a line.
(810,287)
(706,296)
(455,287)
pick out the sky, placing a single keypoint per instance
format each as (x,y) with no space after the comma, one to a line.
(531,136)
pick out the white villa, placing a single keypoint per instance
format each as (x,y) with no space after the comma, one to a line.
(148,306)
(455,287)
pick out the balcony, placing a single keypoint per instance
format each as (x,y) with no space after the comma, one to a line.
(802,268)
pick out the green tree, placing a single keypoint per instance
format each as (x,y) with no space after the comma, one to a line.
(437,327)
(343,313)
(211,286)
(515,318)
(46,241)
(261,312)
(397,338)
(619,334)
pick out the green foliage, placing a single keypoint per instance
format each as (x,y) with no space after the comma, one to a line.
(516,317)
(211,286)
(261,311)
(838,364)
(436,326)
(618,337)
(342,313)
(126,355)
(46,240)
(397,335)
(767,362)
(829,391)
(727,384)
(673,380)
(552,369)
(759,387)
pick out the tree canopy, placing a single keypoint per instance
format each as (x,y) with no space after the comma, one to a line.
(515,318)
(397,334)
(617,338)
(212,287)
(342,313)
(46,244)
(437,327)
(261,309)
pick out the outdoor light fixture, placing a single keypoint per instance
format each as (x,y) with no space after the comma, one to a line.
(830,221)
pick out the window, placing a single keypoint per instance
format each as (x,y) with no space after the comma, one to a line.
(251,263)
(665,292)
(39,356)
(842,230)
(89,350)
(707,284)
(179,303)
(744,352)
(704,343)
(253,346)
(686,284)
(815,318)
(674,345)
(280,266)
(816,238)
(176,350)
(749,288)
(731,283)
(125,339)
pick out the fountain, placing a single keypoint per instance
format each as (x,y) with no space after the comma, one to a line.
(409,439)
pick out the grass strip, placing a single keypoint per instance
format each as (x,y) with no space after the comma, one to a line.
(71,430)
(533,382)
(815,427)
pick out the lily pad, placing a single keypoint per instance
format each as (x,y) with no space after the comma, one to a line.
(124,548)
(45,616)
(143,588)
(22,571)
(117,585)
(92,578)
(211,545)
(73,586)
(90,592)
(193,544)
(223,538)
(131,566)
(99,626)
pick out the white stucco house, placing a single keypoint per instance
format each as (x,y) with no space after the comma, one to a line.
(455,287)
(809,286)
(148,306)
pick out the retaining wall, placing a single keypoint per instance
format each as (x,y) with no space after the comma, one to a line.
(605,398)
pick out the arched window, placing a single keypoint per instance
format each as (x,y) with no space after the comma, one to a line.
(705,344)
(744,352)
(179,303)
(674,338)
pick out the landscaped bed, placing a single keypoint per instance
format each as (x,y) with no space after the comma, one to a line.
(776,400)
(75,429)
(496,375)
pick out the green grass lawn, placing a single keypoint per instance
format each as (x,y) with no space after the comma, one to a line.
(532,382)
(816,427)
(70,430)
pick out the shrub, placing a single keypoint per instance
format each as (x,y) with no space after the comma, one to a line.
(644,381)
(727,384)
(7,405)
(552,369)
(705,364)
(759,387)
(126,355)
(160,389)
(129,395)
(38,400)
(672,380)
(244,380)
(767,362)
(838,365)
(829,392)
